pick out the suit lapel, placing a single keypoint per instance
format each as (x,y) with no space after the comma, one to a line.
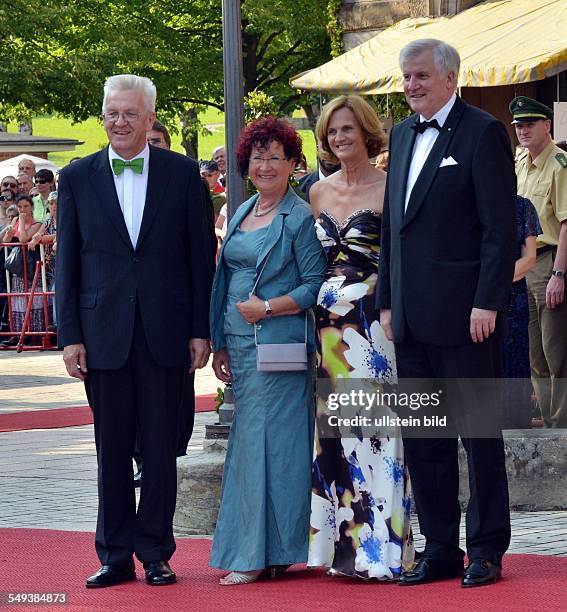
(403,161)
(103,185)
(431,166)
(158,179)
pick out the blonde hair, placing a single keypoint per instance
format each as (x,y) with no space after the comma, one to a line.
(366,118)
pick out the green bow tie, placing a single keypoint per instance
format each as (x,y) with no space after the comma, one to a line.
(137,165)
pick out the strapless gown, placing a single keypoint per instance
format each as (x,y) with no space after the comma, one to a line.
(360,506)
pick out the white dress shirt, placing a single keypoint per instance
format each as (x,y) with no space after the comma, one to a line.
(131,190)
(423,145)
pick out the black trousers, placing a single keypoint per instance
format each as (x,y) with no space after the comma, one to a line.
(185,419)
(433,462)
(143,395)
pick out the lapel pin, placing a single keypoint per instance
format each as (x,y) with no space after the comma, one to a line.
(448,129)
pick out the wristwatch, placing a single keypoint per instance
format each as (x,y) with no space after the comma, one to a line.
(559,273)
(268,309)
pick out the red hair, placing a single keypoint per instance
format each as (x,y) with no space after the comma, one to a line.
(261,133)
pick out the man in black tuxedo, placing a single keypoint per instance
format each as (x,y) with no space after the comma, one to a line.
(445,275)
(324,169)
(134,273)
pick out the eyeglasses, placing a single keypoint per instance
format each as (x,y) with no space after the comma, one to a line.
(257,160)
(7,198)
(207,174)
(128,116)
(9,185)
(41,181)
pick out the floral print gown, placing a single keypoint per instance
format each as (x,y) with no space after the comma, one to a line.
(360,502)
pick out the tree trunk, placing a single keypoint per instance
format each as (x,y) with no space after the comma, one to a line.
(189,132)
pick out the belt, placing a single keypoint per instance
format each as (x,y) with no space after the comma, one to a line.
(546,249)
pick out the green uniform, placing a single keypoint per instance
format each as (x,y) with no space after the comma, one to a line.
(543,180)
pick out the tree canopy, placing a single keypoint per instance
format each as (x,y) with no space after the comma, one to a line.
(56,54)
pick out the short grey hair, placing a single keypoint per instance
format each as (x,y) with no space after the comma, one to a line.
(26,159)
(445,57)
(217,149)
(128,82)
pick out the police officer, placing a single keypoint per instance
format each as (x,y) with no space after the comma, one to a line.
(542,178)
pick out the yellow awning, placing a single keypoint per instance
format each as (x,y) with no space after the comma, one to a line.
(500,43)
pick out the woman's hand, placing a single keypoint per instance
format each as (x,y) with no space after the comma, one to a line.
(221,366)
(34,241)
(25,218)
(9,233)
(253,310)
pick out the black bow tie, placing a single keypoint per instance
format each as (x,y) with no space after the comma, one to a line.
(421,126)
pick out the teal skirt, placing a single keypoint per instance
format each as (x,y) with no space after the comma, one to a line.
(266,490)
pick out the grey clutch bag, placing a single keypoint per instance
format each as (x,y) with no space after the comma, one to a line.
(281,357)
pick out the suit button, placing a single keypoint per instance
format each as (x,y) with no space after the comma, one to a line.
(136,260)
(132,298)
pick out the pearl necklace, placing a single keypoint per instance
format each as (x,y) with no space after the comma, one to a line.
(257,212)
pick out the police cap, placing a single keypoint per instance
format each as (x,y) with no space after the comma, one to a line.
(526,109)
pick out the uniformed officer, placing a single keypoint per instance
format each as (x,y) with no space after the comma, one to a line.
(542,178)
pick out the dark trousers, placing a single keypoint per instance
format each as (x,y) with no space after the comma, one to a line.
(146,395)
(433,462)
(185,419)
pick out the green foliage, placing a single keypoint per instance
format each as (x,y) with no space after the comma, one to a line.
(258,104)
(219,399)
(334,28)
(392,105)
(17,113)
(55,54)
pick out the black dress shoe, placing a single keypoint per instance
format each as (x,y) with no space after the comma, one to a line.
(429,570)
(158,573)
(480,572)
(109,575)
(11,341)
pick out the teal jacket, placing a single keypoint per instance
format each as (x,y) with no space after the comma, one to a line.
(295,267)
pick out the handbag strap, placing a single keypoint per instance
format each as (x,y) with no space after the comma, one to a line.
(253,292)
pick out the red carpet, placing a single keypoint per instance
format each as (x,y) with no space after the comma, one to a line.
(36,560)
(71,417)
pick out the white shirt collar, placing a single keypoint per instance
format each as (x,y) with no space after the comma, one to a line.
(144,153)
(442,114)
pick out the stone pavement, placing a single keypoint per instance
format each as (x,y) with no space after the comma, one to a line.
(48,477)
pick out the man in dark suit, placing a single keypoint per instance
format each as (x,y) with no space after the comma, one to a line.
(446,270)
(134,271)
(324,169)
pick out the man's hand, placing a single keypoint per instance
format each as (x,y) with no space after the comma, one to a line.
(199,351)
(75,359)
(386,323)
(483,323)
(221,366)
(253,310)
(555,292)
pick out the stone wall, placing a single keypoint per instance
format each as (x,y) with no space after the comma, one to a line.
(362,19)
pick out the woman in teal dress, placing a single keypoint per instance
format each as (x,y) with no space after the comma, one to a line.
(271,245)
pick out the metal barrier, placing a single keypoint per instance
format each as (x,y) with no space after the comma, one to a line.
(29,293)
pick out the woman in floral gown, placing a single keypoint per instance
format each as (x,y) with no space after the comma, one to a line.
(360,501)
